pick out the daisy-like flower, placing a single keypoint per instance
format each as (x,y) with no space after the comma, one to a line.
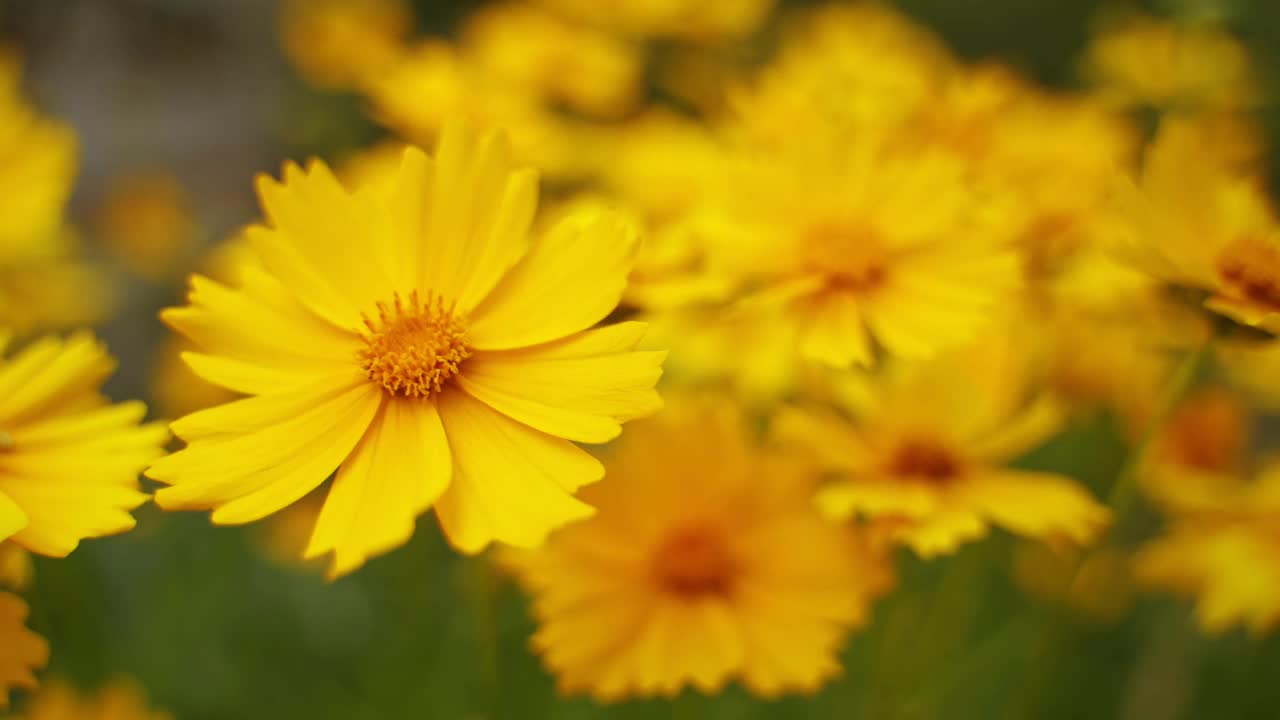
(921,451)
(707,562)
(1197,221)
(1220,546)
(121,699)
(883,249)
(21,651)
(412,337)
(69,461)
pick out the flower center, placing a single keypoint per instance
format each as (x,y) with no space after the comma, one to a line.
(413,348)
(695,563)
(1251,268)
(924,460)
(849,258)
(1209,432)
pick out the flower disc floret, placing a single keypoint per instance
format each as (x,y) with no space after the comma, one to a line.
(414,347)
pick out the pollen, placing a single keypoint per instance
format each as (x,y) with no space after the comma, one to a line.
(414,347)
(695,563)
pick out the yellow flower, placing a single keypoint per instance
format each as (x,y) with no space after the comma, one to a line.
(842,70)
(706,562)
(146,221)
(42,284)
(889,248)
(570,65)
(69,461)
(343,43)
(682,19)
(435,82)
(1139,60)
(441,359)
(21,651)
(1194,220)
(923,448)
(1220,545)
(118,700)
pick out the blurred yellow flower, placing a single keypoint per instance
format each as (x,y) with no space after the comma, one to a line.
(1193,222)
(145,220)
(69,461)
(42,284)
(841,70)
(569,65)
(682,19)
(118,700)
(921,450)
(706,563)
(1167,64)
(446,362)
(21,651)
(1220,545)
(340,44)
(435,82)
(890,249)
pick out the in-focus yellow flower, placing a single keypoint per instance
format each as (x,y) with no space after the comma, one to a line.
(1194,221)
(923,448)
(69,460)
(706,563)
(570,65)
(682,19)
(21,651)
(118,700)
(146,221)
(889,250)
(1140,60)
(445,361)
(341,44)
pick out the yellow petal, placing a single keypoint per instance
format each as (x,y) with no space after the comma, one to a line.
(580,388)
(511,483)
(323,242)
(832,330)
(479,214)
(12,519)
(74,368)
(1040,505)
(292,439)
(396,473)
(572,278)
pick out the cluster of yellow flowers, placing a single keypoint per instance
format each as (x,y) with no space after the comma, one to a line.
(877,277)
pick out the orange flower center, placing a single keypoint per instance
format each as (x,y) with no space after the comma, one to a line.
(695,563)
(413,348)
(849,258)
(1209,432)
(924,460)
(1251,269)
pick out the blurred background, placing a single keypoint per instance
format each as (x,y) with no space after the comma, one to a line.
(177,104)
